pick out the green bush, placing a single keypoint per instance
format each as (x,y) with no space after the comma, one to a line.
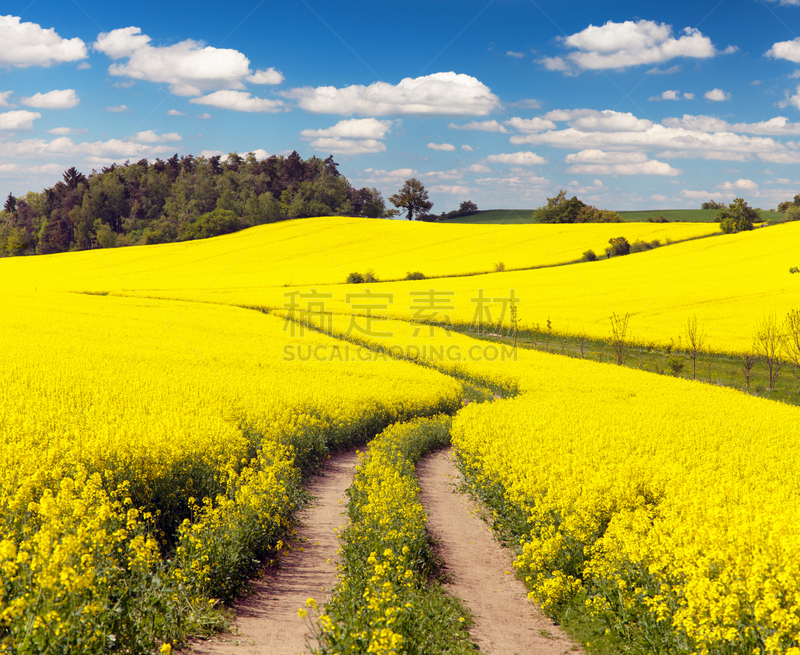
(416,275)
(355,278)
(641,246)
(589,256)
(793,213)
(619,246)
(369,276)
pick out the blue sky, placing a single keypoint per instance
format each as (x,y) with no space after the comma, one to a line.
(629,105)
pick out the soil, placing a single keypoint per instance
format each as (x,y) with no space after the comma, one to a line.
(267,622)
(479,570)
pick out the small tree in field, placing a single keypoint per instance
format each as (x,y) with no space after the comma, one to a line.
(695,338)
(793,341)
(738,217)
(413,198)
(749,360)
(770,342)
(619,330)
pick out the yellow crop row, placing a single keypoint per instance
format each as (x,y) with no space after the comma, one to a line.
(325,251)
(668,508)
(115,413)
(730,283)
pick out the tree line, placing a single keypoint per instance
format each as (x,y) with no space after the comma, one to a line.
(180,198)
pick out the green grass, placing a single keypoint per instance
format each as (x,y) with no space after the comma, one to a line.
(518,216)
(712,368)
(496,216)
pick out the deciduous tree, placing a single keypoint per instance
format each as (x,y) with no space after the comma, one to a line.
(413,198)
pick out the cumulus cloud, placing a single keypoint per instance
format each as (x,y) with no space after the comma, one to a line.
(516,158)
(204,116)
(354,136)
(526,103)
(7,170)
(238,101)
(380,176)
(97,151)
(621,45)
(189,67)
(29,44)
(436,94)
(778,125)
(515,55)
(466,148)
(478,168)
(740,184)
(594,156)
(452,189)
(18,121)
(665,71)
(531,124)
(590,129)
(717,95)
(789,50)
(595,120)
(118,109)
(268,76)
(442,146)
(667,95)
(66,131)
(479,126)
(704,195)
(649,167)
(150,136)
(175,112)
(4,98)
(60,99)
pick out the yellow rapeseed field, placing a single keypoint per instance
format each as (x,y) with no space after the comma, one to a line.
(122,417)
(324,251)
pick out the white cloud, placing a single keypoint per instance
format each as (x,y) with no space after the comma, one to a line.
(516,55)
(606,120)
(479,126)
(674,141)
(150,136)
(789,50)
(84,66)
(238,101)
(119,109)
(66,131)
(531,124)
(98,151)
(526,103)
(717,95)
(659,198)
(667,95)
(442,146)
(338,145)
(466,148)
(260,153)
(517,158)
(175,112)
(523,181)
(778,125)
(602,157)
(127,84)
(15,170)
(354,136)
(649,167)
(28,44)
(189,67)
(268,76)
(452,189)
(18,121)
(208,154)
(4,98)
(688,96)
(354,128)
(665,71)
(704,195)
(380,176)
(621,45)
(478,168)
(435,94)
(59,99)
(740,184)
(204,116)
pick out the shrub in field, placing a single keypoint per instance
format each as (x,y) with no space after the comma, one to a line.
(355,278)
(416,275)
(618,246)
(589,256)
